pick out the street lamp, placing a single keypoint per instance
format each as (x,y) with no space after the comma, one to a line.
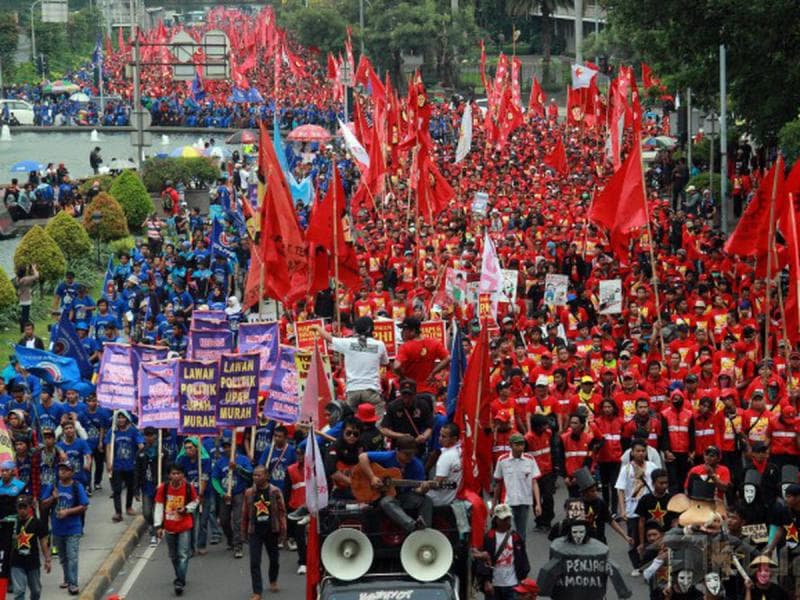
(33,32)
(96,218)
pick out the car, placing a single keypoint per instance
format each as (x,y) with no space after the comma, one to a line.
(21,110)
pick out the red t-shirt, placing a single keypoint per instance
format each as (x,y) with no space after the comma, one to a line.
(722,472)
(418,358)
(174,499)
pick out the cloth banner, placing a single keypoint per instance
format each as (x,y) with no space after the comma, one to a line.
(210,345)
(116,383)
(237,405)
(158,404)
(197,396)
(263,338)
(282,402)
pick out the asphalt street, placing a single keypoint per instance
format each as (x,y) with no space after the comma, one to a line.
(148,574)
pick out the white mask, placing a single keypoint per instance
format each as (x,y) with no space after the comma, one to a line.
(685,580)
(783,489)
(749,493)
(578,533)
(713,583)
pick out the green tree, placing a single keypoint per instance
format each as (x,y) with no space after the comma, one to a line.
(321,25)
(789,138)
(132,196)
(70,236)
(518,9)
(112,225)
(9,37)
(8,295)
(38,248)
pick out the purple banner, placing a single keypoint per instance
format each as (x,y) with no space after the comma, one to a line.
(263,338)
(158,405)
(209,345)
(237,404)
(282,403)
(197,397)
(142,353)
(116,384)
(199,324)
(218,315)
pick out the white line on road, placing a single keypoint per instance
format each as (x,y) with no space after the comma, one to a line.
(136,571)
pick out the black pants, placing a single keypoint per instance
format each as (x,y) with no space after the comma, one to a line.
(99,459)
(609,472)
(24,316)
(547,490)
(298,533)
(733,460)
(633,532)
(257,542)
(118,479)
(677,470)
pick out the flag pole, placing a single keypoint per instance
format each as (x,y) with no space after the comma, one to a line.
(770,238)
(200,491)
(159,463)
(231,458)
(795,259)
(337,219)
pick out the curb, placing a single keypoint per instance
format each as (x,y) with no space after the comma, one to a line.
(112,565)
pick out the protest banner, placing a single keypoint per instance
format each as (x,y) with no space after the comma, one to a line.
(263,338)
(158,403)
(116,383)
(508,287)
(555,289)
(202,324)
(216,315)
(455,285)
(610,296)
(480,203)
(282,402)
(209,344)
(485,308)
(237,404)
(142,353)
(384,330)
(197,396)
(433,330)
(304,336)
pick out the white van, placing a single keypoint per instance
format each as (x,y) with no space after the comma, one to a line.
(23,111)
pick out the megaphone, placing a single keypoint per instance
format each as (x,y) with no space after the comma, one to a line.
(347,554)
(426,555)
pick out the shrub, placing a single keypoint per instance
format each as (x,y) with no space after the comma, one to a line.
(121,246)
(701,182)
(157,171)
(789,138)
(131,194)
(112,226)
(104,180)
(38,248)
(69,235)
(8,295)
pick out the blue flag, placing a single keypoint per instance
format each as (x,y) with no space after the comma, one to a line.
(97,54)
(109,277)
(221,241)
(198,90)
(67,343)
(458,364)
(302,191)
(48,366)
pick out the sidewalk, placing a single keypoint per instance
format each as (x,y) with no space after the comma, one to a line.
(99,537)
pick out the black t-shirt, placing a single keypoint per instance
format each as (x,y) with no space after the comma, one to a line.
(261,512)
(399,418)
(651,508)
(371,439)
(790,521)
(773,592)
(26,543)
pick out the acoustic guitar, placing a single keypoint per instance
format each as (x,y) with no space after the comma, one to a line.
(391,480)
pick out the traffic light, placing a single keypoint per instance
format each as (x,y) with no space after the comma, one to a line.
(41,65)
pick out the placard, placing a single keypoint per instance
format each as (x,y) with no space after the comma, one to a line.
(480,203)
(508,287)
(197,396)
(263,338)
(384,330)
(610,295)
(555,289)
(116,384)
(209,344)
(158,402)
(237,404)
(305,336)
(433,330)
(282,403)
(455,285)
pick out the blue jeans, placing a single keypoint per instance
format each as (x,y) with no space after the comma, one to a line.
(520,513)
(204,520)
(26,578)
(179,547)
(68,556)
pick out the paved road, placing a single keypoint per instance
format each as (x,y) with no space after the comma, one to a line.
(148,574)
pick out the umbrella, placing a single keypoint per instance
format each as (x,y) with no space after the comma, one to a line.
(60,86)
(660,141)
(243,136)
(80,97)
(121,164)
(185,152)
(309,133)
(26,166)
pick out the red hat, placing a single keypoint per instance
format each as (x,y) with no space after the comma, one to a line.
(527,586)
(788,412)
(366,413)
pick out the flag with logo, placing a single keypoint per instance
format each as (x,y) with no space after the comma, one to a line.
(464,135)
(582,76)
(51,367)
(67,343)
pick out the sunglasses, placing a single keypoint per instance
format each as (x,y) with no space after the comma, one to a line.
(351,433)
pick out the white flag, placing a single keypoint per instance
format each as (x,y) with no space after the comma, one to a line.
(465,135)
(353,145)
(314,471)
(491,274)
(582,76)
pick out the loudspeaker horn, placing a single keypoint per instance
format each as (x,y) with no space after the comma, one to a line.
(347,554)
(426,555)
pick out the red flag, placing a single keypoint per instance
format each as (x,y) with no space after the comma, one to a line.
(333,69)
(121,40)
(508,119)
(317,393)
(619,108)
(647,76)
(751,236)
(621,207)
(313,566)
(537,99)
(108,49)
(348,50)
(575,106)
(557,158)
(472,416)
(487,86)
(790,233)
(792,183)
(252,288)
(283,246)
(434,193)
(516,93)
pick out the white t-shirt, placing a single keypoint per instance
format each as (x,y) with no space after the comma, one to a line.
(517,475)
(504,574)
(448,466)
(633,489)
(361,363)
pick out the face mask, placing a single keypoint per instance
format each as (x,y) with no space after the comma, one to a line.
(578,533)
(713,583)
(685,580)
(749,493)
(784,487)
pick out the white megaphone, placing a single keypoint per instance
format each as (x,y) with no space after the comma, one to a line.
(426,555)
(347,554)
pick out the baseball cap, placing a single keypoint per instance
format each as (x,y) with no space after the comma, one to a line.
(503,511)
(408,386)
(542,380)
(527,586)
(412,323)
(516,438)
(587,379)
(65,464)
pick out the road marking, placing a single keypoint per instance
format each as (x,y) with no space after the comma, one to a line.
(136,571)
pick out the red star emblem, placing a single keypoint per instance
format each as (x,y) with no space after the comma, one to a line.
(24,539)
(658,513)
(578,72)
(792,533)
(262,508)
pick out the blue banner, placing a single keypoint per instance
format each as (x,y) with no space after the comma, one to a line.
(197,397)
(116,383)
(48,366)
(222,242)
(158,402)
(263,338)
(282,402)
(67,343)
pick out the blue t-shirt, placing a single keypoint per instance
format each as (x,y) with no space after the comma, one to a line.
(82,308)
(76,451)
(69,496)
(190,467)
(126,446)
(67,292)
(278,466)
(50,416)
(240,482)
(100,322)
(13,488)
(388,459)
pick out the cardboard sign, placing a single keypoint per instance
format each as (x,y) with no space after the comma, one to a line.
(508,288)
(433,330)
(555,289)
(480,203)
(610,296)
(384,330)
(304,336)
(485,306)
(757,533)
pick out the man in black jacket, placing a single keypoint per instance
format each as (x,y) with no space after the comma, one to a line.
(502,563)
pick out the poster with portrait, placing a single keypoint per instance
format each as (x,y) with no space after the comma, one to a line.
(610,296)
(555,289)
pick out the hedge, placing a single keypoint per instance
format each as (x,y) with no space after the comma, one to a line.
(132,196)
(105,183)
(701,182)
(69,235)
(37,247)
(121,246)
(112,226)
(8,295)
(157,171)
